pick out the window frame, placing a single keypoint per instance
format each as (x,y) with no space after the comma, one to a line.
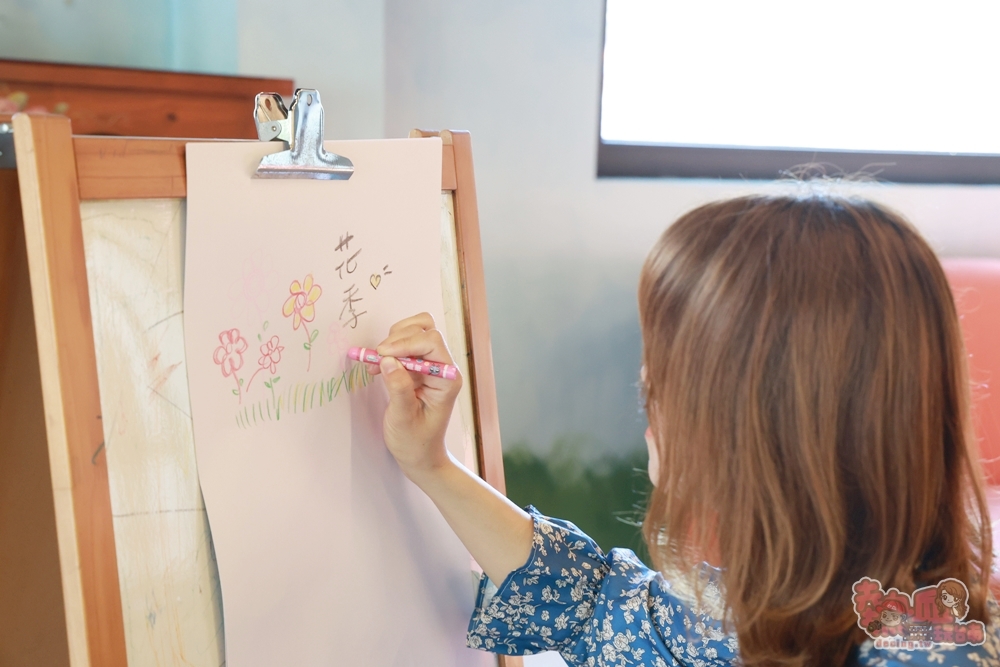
(616,159)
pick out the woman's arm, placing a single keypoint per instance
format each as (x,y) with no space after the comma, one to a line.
(496,532)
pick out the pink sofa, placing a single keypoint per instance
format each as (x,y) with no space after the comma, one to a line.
(976,286)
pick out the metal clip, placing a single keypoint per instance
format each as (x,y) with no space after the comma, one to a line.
(272,118)
(7,158)
(306,157)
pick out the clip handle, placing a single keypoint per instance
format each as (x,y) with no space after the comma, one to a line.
(271,118)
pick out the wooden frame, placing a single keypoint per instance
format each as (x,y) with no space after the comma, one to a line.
(50,204)
(57,171)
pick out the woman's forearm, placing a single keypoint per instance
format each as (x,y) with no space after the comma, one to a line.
(496,532)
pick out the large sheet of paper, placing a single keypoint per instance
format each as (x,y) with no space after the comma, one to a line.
(327,555)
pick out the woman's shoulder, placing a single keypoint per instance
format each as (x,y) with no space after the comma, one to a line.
(599,609)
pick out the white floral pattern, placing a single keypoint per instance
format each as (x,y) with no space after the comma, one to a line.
(610,610)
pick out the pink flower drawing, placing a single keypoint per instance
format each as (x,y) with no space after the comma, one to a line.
(270,355)
(229,354)
(300,305)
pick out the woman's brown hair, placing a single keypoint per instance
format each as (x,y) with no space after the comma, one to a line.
(806,385)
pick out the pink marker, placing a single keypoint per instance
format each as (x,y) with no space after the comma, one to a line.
(369,356)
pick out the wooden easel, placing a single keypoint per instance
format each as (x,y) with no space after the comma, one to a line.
(109,101)
(58,172)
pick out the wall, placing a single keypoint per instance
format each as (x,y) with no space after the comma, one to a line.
(335,46)
(561,253)
(562,248)
(156,34)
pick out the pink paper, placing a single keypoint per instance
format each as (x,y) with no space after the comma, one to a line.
(327,555)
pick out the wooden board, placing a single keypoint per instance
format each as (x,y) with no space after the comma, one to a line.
(147,168)
(171,607)
(130,102)
(154,539)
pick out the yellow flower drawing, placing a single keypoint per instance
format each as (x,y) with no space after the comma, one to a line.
(300,305)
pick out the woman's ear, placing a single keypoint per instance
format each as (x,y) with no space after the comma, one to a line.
(654,457)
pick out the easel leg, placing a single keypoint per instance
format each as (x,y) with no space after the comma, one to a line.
(50,205)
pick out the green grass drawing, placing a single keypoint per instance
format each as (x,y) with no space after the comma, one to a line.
(302,397)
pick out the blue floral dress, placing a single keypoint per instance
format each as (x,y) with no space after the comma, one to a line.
(611,610)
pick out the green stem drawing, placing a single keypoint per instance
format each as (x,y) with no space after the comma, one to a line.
(308,345)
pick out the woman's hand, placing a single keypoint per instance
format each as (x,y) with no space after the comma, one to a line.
(496,532)
(419,405)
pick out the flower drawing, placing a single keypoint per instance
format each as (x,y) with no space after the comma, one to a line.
(229,354)
(270,355)
(300,305)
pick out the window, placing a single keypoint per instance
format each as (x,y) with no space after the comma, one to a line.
(736,89)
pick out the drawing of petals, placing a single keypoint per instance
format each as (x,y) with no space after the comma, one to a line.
(229,355)
(270,354)
(308,312)
(289,306)
(310,290)
(234,362)
(299,305)
(307,292)
(220,358)
(227,338)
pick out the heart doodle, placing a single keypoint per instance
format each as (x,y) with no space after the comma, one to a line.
(376,279)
